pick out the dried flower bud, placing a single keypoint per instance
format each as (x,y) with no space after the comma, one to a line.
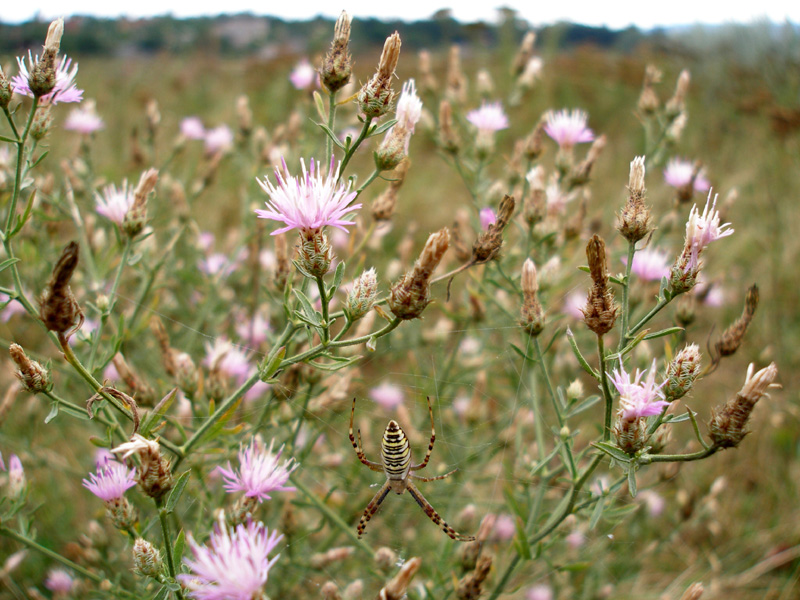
(693,592)
(153,115)
(146,559)
(682,372)
(728,423)
(337,66)
(54,34)
(676,104)
(136,217)
(581,173)
(648,100)
(634,221)
(732,337)
(42,121)
(600,311)
(524,54)
(383,206)
(362,296)
(58,309)
(489,243)
(34,377)
(471,585)
(456,80)
(334,555)
(411,294)
(535,207)
(396,588)
(533,145)
(244,116)
(330,591)
(484,84)
(376,96)
(532,313)
(385,558)
(154,473)
(448,137)
(5,90)
(314,253)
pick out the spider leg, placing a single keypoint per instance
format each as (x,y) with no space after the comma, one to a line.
(434,516)
(437,478)
(372,507)
(430,444)
(357,446)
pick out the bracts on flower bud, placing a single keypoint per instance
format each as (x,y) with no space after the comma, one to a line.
(448,137)
(34,377)
(532,313)
(58,308)
(5,90)
(361,297)
(337,66)
(600,311)
(488,244)
(728,423)
(630,434)
(376,96)
(411,294)
(634,220)
(146,559)
(122,513)
(732,337)
(471,585)
(682,373)
(154,474)
(42,78)
(136,217)
(314,253)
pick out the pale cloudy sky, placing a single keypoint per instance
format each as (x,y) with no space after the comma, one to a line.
(597,12)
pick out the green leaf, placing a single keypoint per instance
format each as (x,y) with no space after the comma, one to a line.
(7,139)
(581,360)
(176,492)
(677,418)
(7,263)
(320,105)
(632,481)
(268,370)
(40,159)
(177,549)
(382,128)
(520,539)
(582,406)
(512,503)
(338,275)
(663,332)
(332,136)
(162,593)
(312,316)
(613,451)
(523,355)
(597,513)
(53,412)
(336,366)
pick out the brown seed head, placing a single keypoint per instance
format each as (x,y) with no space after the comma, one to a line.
(5,90)
(337,66)
(600,311)
(376,96)
(59,310)
(634,221)
(244,116)
(426,78)
(581,174)
(448,137)
(136,217)
(488,244)
(33,376)
(732,337)
(396,588)
(532,318)
(471,585)
(154,473)
(411,294)
(677,103)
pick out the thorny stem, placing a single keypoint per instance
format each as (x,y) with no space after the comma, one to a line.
(609,399)
(626,295)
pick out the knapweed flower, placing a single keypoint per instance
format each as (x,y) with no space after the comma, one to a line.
(65,89)
(192,128)
(16,478)
(388,395)
(219,139)
(394,147)
(111,481)
(233,566)
(568,128)
(259,472)
(59,582)
(649,264)
(114,203)
(303,76)
(489,117)
(539,592)
(678,174)
(224,356)
(255,332)
(636,398)
(487,216)
(409,107)
(308,202)
(84,120)
(702,229)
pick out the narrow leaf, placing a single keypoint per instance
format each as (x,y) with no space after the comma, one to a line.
(612,451)
(332,136)
(663,332)
(269,369)
(53,412)
(320,105)
(597,512)
(337,278)
(176,492)
(583,405)
(177,549)
(632,482)
(382,127)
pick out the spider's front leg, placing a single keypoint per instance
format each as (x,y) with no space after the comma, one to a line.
(423,464)
(372,507)
(357,446)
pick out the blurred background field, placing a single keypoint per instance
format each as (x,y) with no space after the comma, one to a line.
(723,521)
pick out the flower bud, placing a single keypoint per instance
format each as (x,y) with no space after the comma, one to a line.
(396,588)
(448,138)
(489,243)
(314,254)
(59,310)
(682,372)
(136,218)
(411,294)
(5,90)
(634,220)
(34,377)
(376,96)
(337,66)
(732,337)
(675,105)
(600,311)
(17,483)
(42,121)
(532,313)
(146,559)
(362,296)
(154,474)
(471,585)
(630,434)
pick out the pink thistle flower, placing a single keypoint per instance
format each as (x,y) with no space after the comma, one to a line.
(111,481)
(649,264)
(574,304)
(409,107)
(702,229)
(388,395)
(259,473)
(505,527)
(16,477)
(678,174)
(488,118)
(308,202)
(539,592)
(114,203)
(233,566)
(254,332)
(59,582)
(226,357)
(638,399)
(10,308)
(487,217)
(219,139)
(303,76)
(192,128)
(84,120)
(568,128)
(65,89)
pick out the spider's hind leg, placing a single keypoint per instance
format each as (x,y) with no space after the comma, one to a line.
(434,516)
(372,507)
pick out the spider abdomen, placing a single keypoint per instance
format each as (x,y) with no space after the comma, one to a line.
(395,452)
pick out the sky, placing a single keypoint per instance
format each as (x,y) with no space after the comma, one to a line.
(616,15)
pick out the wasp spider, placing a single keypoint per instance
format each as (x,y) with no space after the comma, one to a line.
(396,465)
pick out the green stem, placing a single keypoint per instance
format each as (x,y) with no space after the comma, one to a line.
(361,137)
(372,177)
(332,516)
(547,381)
(609,399)
(162,518)
(112,296)
(324,300)
(11,122)
(626,295)
(662,302)
(699,455)
(331,121)
(12,206)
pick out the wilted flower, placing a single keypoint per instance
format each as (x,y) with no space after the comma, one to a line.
(111,481)
(568,128)
(678,174)
(702,229)
(388,395)
(308,202)
(638,399)
(303,76)
(259,472)
(234,566)
(409,107)
(65,89)
(192,128)
(84,120)
(649,264)
(114,203)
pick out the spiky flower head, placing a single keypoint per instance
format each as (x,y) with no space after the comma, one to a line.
(634,219)
(146,559)
(638,398)
(376,96)
(487,119)
(111,480)
(682,372)
(568,128)
(337,66)
(34,377)
(394,147)
(114,203)
(234,565)
(63,88)
(259,472)
(362,295)
(532,313)
(309,201)
(411,294)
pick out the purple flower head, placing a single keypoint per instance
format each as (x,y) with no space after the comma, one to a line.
(84,120)
(16,476)
(64,90)
(568,128)
(192,128)
(488,118)
(409,107)
(228,358)
(638,399)
(649,264)
(255,332)
(111,481)
(388,395)
(679,173)
(233,566)
(2,464)
(309,201)
(219,139)
(59,582)
(115,203)
(259,472)
(539,592)
(487,217)
(702,229)
(303,76)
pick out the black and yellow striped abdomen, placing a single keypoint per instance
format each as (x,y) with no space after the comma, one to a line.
(395,452)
